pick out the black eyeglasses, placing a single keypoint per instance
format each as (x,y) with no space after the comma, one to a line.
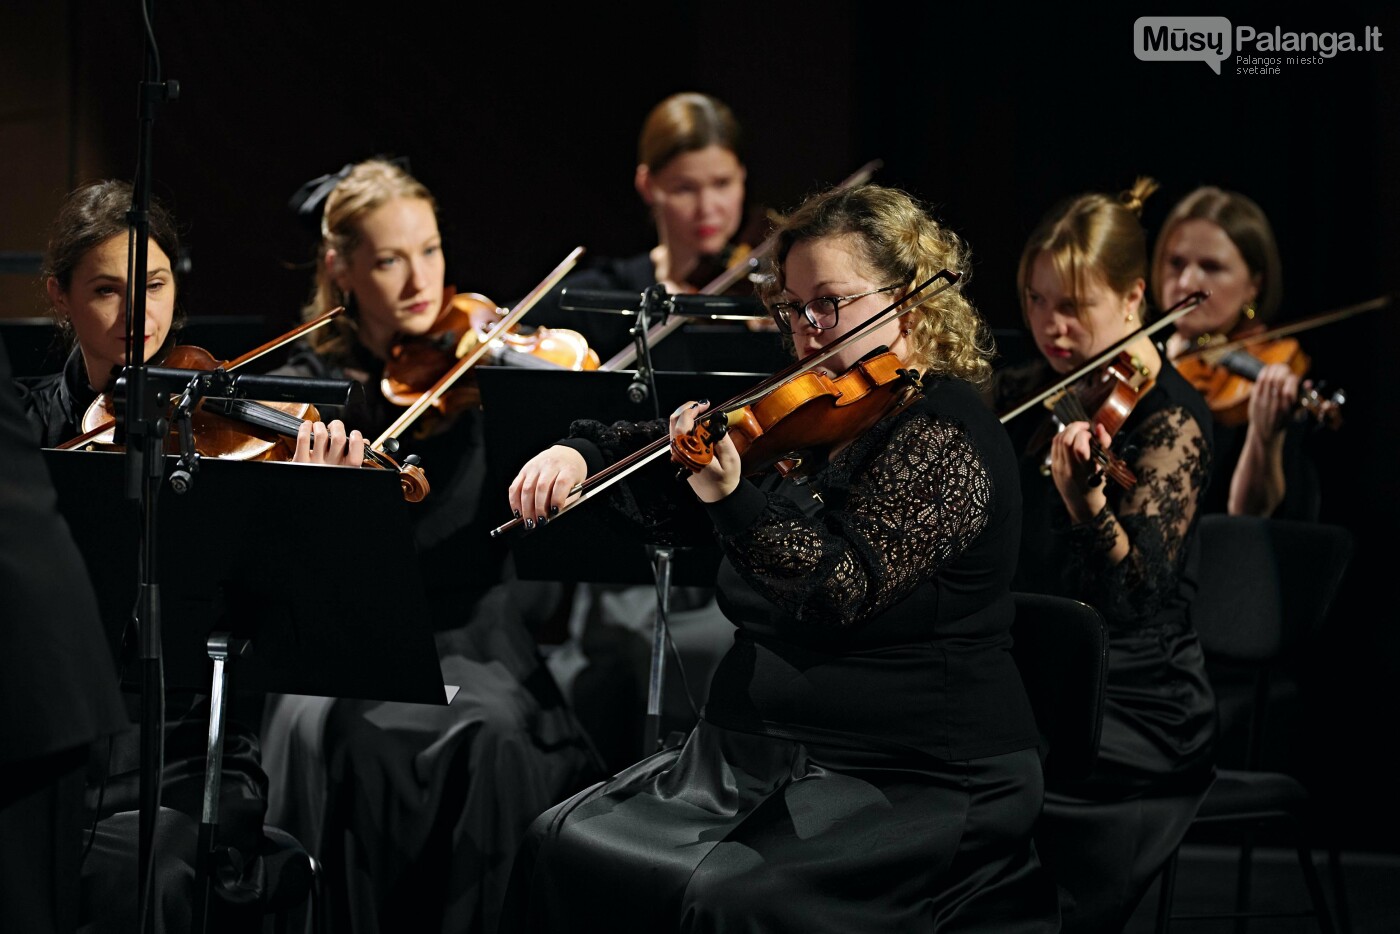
(821,313)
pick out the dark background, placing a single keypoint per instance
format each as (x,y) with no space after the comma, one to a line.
(523,123)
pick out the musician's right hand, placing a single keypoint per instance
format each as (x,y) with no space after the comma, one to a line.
(542,487)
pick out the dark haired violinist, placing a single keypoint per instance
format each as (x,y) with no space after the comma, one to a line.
(416,811)
(85,270)
(866,759)
(1127,547)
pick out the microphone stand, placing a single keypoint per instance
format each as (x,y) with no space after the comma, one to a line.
(144,437)
(643,385)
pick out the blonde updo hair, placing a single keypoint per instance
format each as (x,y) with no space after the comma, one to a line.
(898,241)
(687,122)
(1093,236)
(368,186)
(1248,228)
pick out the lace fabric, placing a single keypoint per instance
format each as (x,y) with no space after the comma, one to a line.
(900,502)
(1172,460)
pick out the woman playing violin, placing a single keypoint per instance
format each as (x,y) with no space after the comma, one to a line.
(690,175)
(1221,242)
(1126,549)
(86,278)
(416,811)
(866,759)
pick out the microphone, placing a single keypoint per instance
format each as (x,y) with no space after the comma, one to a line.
(691,306)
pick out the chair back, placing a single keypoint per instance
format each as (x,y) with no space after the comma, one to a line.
(1061,649)
(1265,584)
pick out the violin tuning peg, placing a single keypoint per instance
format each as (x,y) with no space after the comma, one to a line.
(412,460)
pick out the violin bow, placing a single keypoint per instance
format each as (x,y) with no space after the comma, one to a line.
(657,333)
(285,339)
(1171,315)
(592,486)
(459,369)
(1209,351)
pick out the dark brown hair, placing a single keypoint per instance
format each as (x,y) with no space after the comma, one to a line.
(687,122)
(94,214)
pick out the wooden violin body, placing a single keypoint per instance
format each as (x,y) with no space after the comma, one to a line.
(467,321)
(1226,378)
(240,429)
(214,435)
(810,414)
(1106,396)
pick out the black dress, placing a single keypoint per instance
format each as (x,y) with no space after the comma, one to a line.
(866,758)
(1302,498)
(55,405)
(58,687)
(1105,837)
(416,811)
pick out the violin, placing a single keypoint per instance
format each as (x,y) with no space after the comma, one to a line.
(1105,396)
(1104,392)
(793,412)
(466,322)
(475,348)
(1225,372)
(240,429)
(1225,378)
(810,412)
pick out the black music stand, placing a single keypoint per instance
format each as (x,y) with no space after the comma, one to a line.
(527,410)
(321,599)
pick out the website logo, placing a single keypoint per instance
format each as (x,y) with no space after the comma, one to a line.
(1252,51)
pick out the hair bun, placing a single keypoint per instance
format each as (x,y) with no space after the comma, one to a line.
(1134,197)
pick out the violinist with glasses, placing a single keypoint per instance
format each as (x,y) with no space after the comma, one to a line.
(867,757)
(1110,520)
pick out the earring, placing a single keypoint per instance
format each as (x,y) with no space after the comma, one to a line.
(1248,310)
(1128,318)
(907,331)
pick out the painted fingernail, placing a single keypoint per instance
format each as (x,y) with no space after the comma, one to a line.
(529,523)
(554,510)
(517,513)
(542,520)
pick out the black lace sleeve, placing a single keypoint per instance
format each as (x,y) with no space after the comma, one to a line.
(1171,458)
(652,504)
(916,503)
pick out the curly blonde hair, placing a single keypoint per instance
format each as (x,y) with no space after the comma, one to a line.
(368,185)
(1092,236)
(899,241)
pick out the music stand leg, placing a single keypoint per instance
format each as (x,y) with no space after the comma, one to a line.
(651,740)
(222,648)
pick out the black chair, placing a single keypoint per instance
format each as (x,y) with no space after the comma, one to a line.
(1061,649)
(293,880)
(1266,586)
